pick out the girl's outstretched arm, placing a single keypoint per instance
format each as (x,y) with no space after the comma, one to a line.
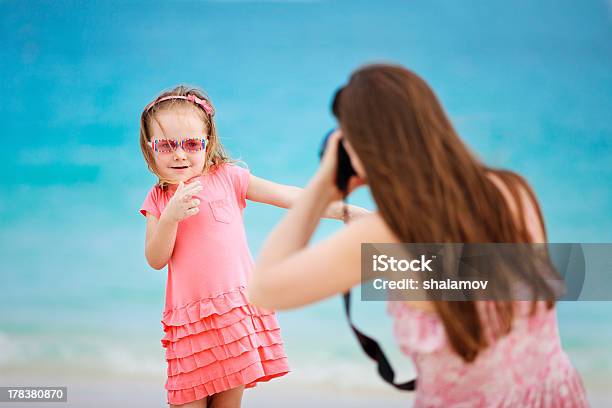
(268,192)
(284,196)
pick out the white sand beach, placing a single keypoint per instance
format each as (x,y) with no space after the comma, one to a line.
(147,393)
(98,393)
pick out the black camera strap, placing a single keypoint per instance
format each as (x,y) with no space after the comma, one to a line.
(373,350)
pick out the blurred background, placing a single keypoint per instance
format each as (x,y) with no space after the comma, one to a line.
(528,85)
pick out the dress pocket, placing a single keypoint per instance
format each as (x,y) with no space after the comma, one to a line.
(221,210)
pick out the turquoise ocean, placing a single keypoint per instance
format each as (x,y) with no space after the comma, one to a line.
(528,85)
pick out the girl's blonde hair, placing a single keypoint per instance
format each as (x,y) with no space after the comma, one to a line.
(215,153)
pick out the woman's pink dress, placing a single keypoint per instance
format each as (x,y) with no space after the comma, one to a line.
(526,368)
(214,339)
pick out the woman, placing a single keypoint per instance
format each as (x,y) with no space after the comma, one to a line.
(428,187)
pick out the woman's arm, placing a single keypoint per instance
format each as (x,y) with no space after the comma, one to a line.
(284,196)
(290,274)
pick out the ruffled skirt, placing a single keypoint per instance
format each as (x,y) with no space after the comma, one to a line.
(219,343)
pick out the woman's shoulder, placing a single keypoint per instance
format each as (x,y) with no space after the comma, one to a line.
(524,205)
(501,186)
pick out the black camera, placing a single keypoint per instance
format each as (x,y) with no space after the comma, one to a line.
(344,170)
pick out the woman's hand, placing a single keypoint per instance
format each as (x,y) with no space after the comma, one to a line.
(328,169)
(182,205)
(326,173)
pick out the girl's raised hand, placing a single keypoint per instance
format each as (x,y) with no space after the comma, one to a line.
(182,205)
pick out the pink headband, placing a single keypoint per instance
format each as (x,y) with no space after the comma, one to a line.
(191,98)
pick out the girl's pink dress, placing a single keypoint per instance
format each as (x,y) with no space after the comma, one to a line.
(214,339)
(526,368)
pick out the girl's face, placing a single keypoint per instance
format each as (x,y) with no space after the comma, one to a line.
(179,125)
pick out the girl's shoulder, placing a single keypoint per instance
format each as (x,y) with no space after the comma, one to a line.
(153,201)
(155,191)
(229,169)
(235,178)
(230,165)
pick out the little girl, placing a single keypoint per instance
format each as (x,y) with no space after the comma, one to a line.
(216,342)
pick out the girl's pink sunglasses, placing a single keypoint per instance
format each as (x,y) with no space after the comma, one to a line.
(170,145)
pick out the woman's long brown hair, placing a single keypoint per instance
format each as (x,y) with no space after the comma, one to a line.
(427,184)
